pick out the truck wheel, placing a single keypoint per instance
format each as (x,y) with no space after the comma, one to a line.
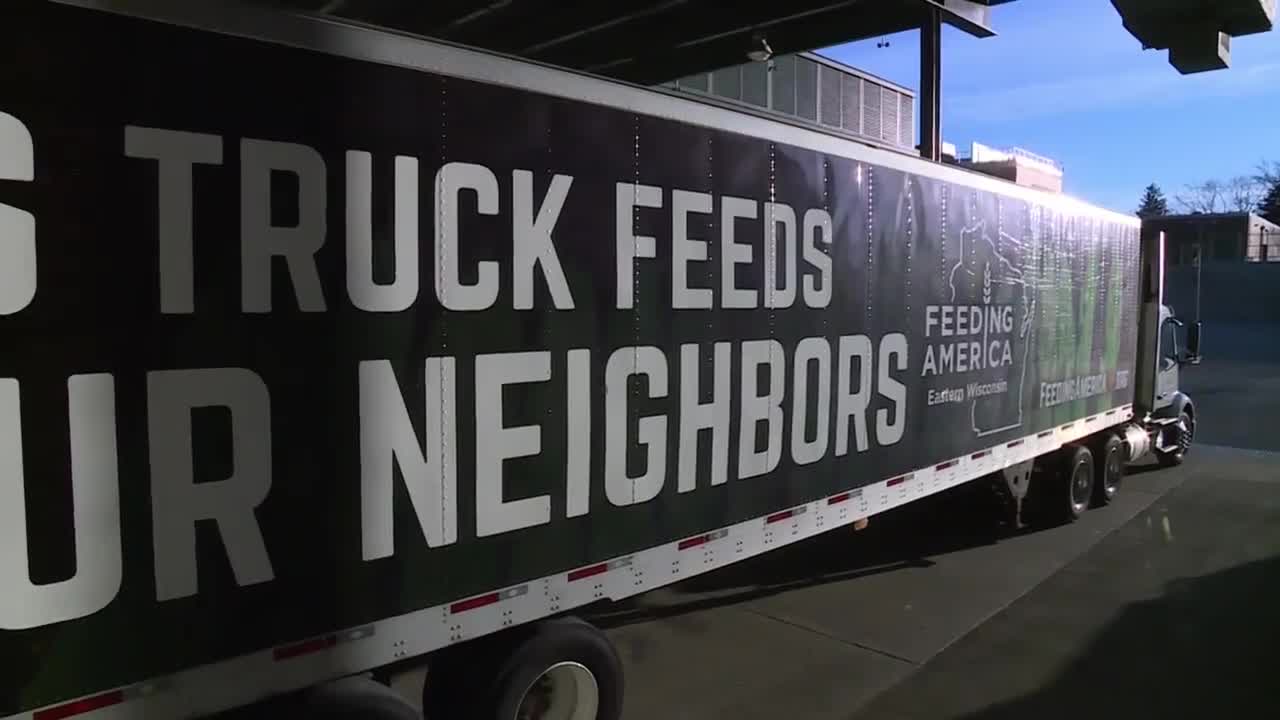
(1182,433)
(1061,493)
(355,698)
(1109,455)
(563,669)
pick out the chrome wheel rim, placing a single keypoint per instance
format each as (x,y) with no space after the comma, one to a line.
(564,691)
(1186,430)
(1081,487)
(1111,481)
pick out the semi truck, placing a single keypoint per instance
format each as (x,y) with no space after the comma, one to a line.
(330,351)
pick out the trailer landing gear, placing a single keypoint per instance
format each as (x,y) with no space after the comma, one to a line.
(1010,486)
(562,669)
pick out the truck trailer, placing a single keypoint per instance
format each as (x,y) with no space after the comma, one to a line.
(330,351)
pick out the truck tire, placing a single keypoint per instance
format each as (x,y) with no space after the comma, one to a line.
(1061,492)
(564,669)
(1182,433)
(1110,455)
(355,698)
(351,698)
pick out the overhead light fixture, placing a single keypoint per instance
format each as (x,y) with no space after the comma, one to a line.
(760,50)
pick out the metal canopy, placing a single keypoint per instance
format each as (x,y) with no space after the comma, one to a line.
(650,41)
(1197,33)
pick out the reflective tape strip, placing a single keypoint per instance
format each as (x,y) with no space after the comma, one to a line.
(480,601)
(316,644)
(81,706)
(785,514)
(701,539)
(420,631)
(597,569)
(692,542)
(586,572)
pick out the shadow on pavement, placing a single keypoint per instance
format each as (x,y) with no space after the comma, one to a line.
(965,517)
(1205,648)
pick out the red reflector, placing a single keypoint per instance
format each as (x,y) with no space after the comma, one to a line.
(473,603)
(980,455)
(693,542)
(79,707)
(777,517)
(1015,443)
(1045,434)
(838,498)
(896,481)
(304,648)
(587,572)
(947,464)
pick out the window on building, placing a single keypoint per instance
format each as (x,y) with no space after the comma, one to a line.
(755,84)
(851,104)
(807,88)
(907,121)
(1225,248)
(783,78)
(871,109)
(831,84)
(727,83)
(698,82)
(1187,253)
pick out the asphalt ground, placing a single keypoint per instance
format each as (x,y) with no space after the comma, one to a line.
(1163,604)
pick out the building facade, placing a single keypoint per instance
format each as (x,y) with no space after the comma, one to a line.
(1015,165)
(1218,237)
(815,89)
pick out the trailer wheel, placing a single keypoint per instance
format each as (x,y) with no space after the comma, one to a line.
(351,698)
(563,669)
(1110,455)
(359,698)
(1062,491)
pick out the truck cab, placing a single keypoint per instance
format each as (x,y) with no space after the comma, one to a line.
(1173,416)
(1165,416)
(1173,354)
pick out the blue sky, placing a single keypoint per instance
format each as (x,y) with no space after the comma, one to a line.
(1064,79)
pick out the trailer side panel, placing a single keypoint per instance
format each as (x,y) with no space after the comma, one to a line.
(370,340)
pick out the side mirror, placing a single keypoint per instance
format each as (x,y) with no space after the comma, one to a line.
(1193,344)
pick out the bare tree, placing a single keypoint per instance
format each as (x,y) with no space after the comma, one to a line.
(1267,173)
(1243,193)
(1206,197)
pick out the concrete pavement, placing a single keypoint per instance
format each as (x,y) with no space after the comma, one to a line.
(1172,616)
(821,628)
(1161,604)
